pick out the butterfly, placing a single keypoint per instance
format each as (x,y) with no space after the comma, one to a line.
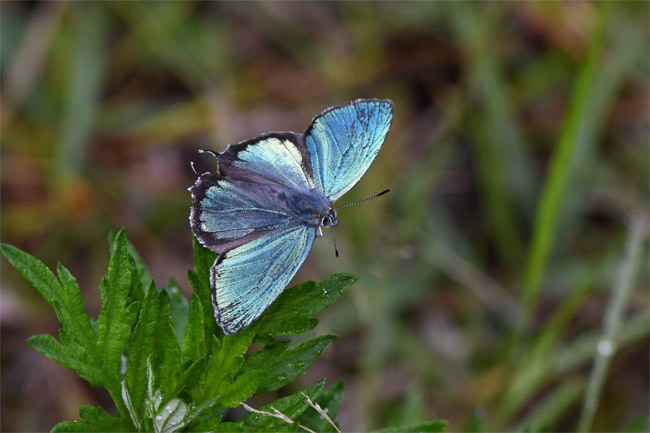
(269,197)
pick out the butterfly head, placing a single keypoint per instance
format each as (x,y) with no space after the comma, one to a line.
(329,220)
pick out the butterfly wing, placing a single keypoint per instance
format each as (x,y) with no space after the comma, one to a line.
(279,157)
(227,213)
(247,279)
(240,203)
(343,141)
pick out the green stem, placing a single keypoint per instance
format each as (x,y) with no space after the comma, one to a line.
(554,191)
(116,395)
(606,347)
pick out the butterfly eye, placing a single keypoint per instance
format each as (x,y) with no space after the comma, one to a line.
(329,220)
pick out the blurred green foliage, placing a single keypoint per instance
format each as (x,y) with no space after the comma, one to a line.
(518,155)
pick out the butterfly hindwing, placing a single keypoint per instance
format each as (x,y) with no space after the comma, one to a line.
(247,279)
(228,213)
(343,141)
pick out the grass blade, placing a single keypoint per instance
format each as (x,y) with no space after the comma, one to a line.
(86,80)
(555,187)
(621,293)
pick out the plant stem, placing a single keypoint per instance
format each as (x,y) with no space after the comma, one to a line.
(606,347)
(554,191)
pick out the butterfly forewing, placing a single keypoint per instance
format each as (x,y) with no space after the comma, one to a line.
(343,142)
(277,157)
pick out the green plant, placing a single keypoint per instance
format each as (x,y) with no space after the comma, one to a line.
(166,364)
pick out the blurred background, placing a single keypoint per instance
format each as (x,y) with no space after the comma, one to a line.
(518,161)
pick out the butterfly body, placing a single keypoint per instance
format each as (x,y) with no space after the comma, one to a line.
(270,196)
(307,209)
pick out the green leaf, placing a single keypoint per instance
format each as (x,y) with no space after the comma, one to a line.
(292,407)
(225,362)
(226,427)
(39,275)
(330,401)
(33,270)
(194,341)
(113,323)
(191,373)
(69,354)
(207,423)
(141,344)
(233,393)
(200,281)
(431,426)
(77,321)
(138,262)
(134,414)
(78,348)
(283,366)
(95,419)
(174,414)
(172,417)
(293,311)
(168,353)
(180,309)
(80,351)
(136,292)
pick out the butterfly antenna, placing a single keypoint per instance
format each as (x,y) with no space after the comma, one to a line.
(365,199)
(336,247)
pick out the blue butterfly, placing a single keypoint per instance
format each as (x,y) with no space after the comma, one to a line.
(269,198)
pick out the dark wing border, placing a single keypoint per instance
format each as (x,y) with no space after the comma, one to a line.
(230,155)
